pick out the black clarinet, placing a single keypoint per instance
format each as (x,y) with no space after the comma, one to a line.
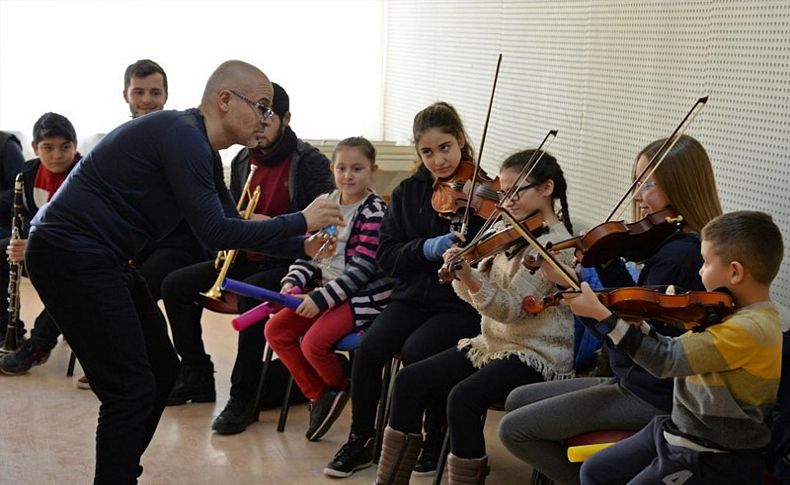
(14,271)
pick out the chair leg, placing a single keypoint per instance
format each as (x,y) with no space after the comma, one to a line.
(286,405)
(442,463)
(540,479)
(267,359)
(382,416)
(70,368)
(437,478)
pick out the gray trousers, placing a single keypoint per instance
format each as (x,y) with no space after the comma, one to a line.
(540,416)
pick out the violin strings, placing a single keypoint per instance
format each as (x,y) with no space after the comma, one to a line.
(526,171)
(570,279)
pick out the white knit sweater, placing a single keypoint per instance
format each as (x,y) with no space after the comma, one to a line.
(543,341)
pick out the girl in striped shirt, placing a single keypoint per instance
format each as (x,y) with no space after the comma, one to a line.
(348,290)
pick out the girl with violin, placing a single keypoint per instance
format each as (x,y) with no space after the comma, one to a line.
(541,416)
(513,349)
(423,317)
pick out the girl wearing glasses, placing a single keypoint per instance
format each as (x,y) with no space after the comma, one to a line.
(513,349)
(423,316)
(541,416)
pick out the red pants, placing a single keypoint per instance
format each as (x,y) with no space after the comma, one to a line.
(313,364)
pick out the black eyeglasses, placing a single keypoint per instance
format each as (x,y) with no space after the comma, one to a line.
(517,193)
(264,110)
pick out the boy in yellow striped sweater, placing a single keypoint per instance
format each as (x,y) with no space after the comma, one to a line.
(726,377)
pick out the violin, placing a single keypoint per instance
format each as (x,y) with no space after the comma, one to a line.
(451,194)
(492,244)
(635,241)
(685,309)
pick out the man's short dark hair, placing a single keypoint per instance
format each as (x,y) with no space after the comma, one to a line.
(143,68)
(749,237)
(52,125)
(281,104)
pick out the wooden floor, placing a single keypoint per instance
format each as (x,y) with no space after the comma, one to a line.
(48,426)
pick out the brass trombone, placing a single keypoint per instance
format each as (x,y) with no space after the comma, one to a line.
(213,299)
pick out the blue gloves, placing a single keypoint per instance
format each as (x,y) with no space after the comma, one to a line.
(434,248)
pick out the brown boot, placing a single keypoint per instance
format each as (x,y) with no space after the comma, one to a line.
(398,455)
(467,471)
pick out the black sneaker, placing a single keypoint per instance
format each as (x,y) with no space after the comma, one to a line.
(22,359)
(429,456)
(235,418)
(355,455)
(324,412)
(195,384)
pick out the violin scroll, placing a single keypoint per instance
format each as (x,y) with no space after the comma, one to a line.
(451,196)
(492,244)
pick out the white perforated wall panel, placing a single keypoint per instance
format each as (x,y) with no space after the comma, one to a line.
(611,77)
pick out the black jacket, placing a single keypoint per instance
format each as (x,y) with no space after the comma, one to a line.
(408,222)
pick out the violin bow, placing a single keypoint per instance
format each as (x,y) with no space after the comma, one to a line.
(544,253)
(533,162)
(465,221)
(660,155)
(526,170)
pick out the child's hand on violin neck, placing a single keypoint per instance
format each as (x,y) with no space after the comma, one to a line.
(586,303)
(460,267)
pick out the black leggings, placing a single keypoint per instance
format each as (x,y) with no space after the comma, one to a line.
(414,333)
(468,391)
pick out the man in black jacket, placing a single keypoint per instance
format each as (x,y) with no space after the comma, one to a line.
(290,173)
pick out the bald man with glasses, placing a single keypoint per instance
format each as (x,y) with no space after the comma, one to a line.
(134,186)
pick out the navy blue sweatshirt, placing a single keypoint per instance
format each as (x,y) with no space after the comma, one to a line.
(141,180)
(676,262)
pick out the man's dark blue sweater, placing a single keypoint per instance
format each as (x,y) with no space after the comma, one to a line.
(141,180)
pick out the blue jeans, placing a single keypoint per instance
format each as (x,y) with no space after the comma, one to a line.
(107,314)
